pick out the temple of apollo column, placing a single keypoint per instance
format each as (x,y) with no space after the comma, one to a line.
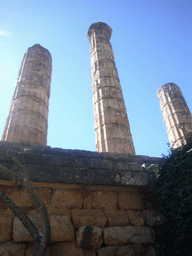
(27,119)
(110,116)
(176,114)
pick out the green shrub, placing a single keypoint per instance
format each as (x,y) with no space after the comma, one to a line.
(173,188)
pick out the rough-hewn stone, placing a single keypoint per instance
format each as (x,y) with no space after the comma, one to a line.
(61,228)
(58,211)
(92,196)
(152,251)
(128,235)
(129,250)
(131,178)
(143,235)
(27,119)
(44,194)
(5,211)
(10,248)
(118,235)
(116,218)
(88,217)
(31,248)
(19,196)
(20,233)
(87,200)
(67,199)
(102,164)
(111,122)
(66,249)
(136,218)
(89,237)
(89,253)
(6,225)
(176,114)
(153,218)
(45,164)
(101,200)
(131,201)
(128,166)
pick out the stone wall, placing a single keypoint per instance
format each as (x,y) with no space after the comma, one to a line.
(95,202)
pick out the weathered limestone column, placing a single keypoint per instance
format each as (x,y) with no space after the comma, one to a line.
(110,115)
(176,114)
(27,119)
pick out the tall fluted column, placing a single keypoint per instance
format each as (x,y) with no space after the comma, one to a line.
(110,115)
(27,119)
(176,114)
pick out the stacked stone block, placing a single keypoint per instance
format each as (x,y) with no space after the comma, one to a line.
(176,114)
(84,221)
(94,202)
(110,117)
(27,119)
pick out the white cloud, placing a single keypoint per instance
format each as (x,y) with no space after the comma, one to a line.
(3,33)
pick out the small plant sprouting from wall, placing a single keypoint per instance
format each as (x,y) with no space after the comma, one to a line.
(173,187)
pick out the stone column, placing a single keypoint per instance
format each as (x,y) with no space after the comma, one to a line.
(110,116)
(176,114)
(27,119)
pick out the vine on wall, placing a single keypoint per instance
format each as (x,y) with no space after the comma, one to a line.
(173,188)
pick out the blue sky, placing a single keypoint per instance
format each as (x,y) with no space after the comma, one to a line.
(151,41)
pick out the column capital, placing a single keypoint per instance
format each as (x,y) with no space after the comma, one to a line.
(168,87)
(36,47)
(101,28)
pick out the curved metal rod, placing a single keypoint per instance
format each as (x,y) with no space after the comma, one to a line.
(23,218)
(42,239)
